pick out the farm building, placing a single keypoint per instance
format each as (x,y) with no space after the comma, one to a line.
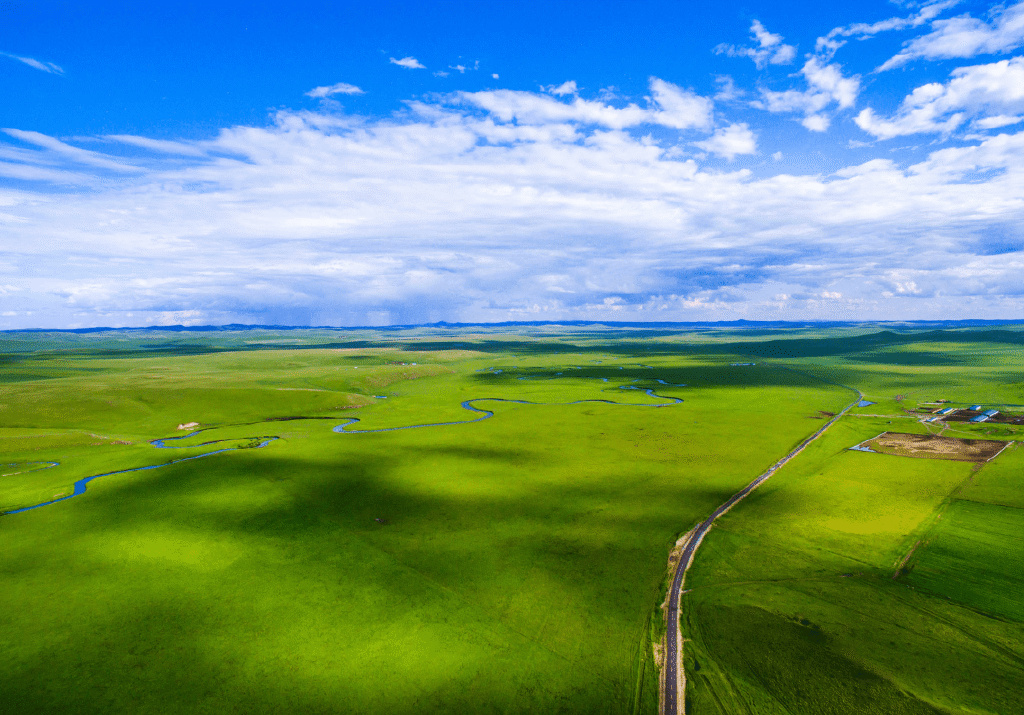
(976,408)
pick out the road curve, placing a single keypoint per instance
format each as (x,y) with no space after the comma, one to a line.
(670,704)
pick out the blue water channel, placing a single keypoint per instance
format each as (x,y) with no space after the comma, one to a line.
(486,414)
(81,484)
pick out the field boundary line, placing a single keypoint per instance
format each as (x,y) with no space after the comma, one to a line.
(674,698)
(1005,447)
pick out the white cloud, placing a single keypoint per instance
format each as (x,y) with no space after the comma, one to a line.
(494,75)
(410,63)
(567,87)
(461,69)
(965,36)
(680,108)
(670,106)
(48,67)
(830,80)
(451,212)
(770,48)
(816,122)
(162,146)
(826,85)
(730,141)
(727,89)
(941,108)
(997,121)
(826,46)
(70,152)
(339,88)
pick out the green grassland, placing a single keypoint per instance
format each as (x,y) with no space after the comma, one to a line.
(512,564)
(857,582)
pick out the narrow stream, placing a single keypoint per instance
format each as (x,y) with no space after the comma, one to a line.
(162,443)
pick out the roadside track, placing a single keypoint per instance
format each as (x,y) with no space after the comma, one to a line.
(674,690)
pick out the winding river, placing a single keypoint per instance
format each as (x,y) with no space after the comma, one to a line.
(486,414)
(483,414)
(80,485)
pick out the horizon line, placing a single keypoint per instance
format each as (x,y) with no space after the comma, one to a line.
(961,322)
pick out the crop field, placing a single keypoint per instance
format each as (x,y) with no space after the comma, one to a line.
(479,520)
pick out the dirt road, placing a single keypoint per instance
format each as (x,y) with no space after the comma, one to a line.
(673,693)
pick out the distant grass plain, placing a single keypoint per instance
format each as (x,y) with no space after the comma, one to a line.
(512,564)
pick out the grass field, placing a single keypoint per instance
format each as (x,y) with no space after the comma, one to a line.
(514,564)
(858,582)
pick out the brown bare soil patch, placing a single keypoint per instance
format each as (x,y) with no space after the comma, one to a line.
(930,446)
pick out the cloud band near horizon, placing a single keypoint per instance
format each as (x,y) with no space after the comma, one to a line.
(500,205)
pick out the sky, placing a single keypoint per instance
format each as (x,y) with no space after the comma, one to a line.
(391,163)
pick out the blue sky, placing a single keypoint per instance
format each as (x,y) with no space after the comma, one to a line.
(385,163)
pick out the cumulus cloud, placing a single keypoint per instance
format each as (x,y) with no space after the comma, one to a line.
(730,141)
(451,211)
(965,36)
(992,90)
(339,88)
(410,63)
(826,85)
(770,48)
(48,67)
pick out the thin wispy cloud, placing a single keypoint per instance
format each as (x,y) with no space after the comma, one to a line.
(669,106)
(161,146)
(461,69)
(68,152)
(330,90)
(409,63)
(42,66)
(827,45)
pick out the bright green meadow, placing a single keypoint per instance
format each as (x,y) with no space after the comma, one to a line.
(511,564)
